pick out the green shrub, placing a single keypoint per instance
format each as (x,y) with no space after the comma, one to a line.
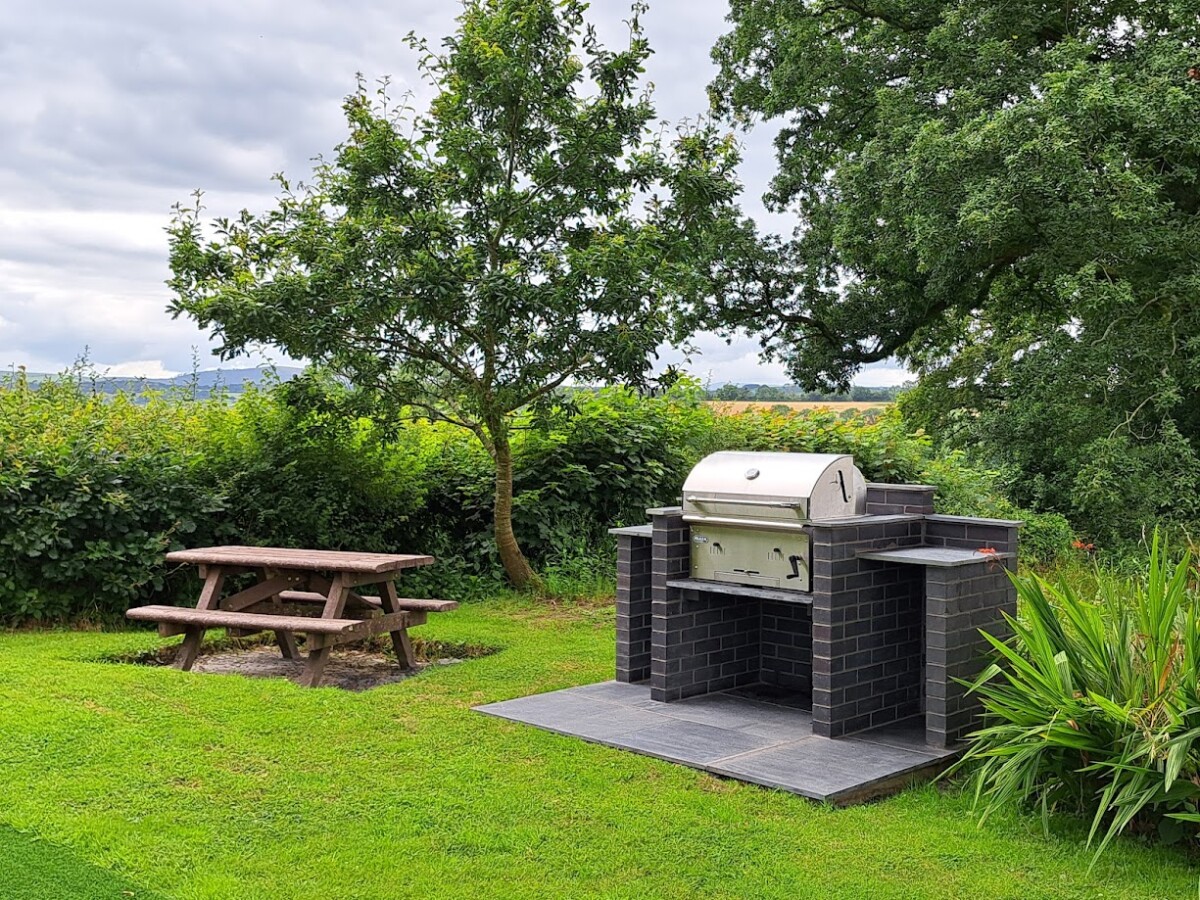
(963,489)
(882,447)
(1094,705)
(93,492)
(308,477)
(600,462)
(94,489)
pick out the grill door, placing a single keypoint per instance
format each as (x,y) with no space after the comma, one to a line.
(751,556)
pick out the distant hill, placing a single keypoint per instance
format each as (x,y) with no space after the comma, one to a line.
(201,385)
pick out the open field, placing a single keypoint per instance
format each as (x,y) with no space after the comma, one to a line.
(148,782)
(731,407)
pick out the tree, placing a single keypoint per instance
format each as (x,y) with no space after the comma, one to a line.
(1003,195)
(526,230)
(729,391)
(769,393)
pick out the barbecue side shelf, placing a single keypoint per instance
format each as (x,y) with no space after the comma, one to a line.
(741,590)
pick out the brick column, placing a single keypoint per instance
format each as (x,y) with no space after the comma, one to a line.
(670,626)
(899,499)
(633,604)
(965,533)
(866,633)
(959,601)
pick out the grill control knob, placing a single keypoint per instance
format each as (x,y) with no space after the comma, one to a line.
(751,474)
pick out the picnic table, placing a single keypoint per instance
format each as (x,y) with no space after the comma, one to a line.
(308,592)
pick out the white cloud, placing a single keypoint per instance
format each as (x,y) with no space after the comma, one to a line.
(716,361)
(146,368)
(112,112)
(883,375)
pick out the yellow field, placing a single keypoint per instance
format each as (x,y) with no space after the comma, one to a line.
(730,407)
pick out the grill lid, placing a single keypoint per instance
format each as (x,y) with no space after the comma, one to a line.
(771,489)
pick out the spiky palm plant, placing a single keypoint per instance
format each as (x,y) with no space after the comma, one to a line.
(1093,704)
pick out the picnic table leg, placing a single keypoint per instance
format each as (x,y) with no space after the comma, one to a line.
(319,655)
(285,639)
(214,580)
(400,640)
(287,645)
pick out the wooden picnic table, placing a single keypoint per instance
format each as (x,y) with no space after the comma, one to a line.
(308,592)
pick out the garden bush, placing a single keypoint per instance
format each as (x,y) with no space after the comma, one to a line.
(94,489)
(1094,705)
(93,492)
(304,476)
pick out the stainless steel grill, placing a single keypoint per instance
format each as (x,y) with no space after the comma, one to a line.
(748,513)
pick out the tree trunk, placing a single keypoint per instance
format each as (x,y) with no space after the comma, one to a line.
(516,566)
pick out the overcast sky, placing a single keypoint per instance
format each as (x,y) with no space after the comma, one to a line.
(112,111)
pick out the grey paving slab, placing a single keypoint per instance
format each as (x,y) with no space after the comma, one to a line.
(691,743)
(784,725)
(721,711)
(821,768)
(554,706)
(615,692)
(972,520)
(568,713)
(634,530)
(607,727)
(907,735)
(735,737)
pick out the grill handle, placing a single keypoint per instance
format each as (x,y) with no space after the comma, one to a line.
(773,504)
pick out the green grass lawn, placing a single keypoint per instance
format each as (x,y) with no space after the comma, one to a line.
(34,870)
(124,780)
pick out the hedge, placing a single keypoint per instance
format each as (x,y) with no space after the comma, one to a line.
(94,489)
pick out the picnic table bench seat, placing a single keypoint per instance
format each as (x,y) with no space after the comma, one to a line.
(308,592)
(249,622)
(407,603)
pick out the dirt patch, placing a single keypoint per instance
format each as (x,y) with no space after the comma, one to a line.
(351,669)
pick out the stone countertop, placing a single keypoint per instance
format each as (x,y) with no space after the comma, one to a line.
(932,556)
(634,530)
(665,511)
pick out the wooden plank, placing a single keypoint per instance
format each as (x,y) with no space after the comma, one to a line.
(287,645)
(424,605)
(409,603)
(318,655)
(320,585)
(261,591)
(219,618)
(294,610)
(210,595)
(400,640)
(306,560)
(285,640)
(353,601)
(359,579)
(337,599)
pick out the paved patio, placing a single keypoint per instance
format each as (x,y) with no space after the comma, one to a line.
(737,737)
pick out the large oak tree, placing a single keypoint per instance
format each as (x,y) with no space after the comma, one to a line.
(1007,197)
(532,226)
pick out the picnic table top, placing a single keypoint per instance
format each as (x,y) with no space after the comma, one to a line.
(306,560)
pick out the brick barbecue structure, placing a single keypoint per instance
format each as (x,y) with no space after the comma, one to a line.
(892,619)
